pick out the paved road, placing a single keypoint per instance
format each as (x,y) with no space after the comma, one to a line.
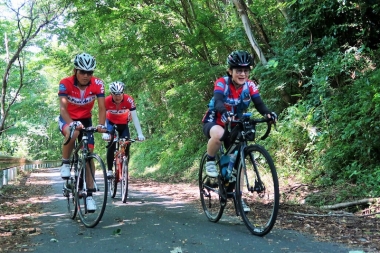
(154,223)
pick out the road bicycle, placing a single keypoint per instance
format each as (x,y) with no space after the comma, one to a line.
(76,189)
(255,188)
(120,164)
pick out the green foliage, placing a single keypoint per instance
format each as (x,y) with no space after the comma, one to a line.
(321,79)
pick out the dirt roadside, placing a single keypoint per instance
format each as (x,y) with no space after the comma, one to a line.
(20,205)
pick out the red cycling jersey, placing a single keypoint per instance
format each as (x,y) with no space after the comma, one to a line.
(81,102)
(119,113)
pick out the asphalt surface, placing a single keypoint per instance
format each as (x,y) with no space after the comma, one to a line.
(149,222)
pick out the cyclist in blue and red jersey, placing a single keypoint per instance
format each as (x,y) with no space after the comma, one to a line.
(77,95)
(119,109)
(232,93)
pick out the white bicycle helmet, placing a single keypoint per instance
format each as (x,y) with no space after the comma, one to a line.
(117,88)
(84,62)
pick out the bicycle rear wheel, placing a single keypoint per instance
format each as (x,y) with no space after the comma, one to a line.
(258,188)
(99,193)
(124,180)
(209,193)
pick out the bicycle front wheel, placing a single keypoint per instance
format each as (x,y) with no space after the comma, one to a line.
(112,186)
(97,179)
(112,182)
(258,191)
(69,193)
(69,189)
(210,194)
(124,180)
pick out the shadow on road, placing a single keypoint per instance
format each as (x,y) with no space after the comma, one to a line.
(155,222)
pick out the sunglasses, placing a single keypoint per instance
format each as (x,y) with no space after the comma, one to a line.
(242,71)
(84,72)
(117,93)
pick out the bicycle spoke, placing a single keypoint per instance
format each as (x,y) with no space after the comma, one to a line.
(259,193)
(69,189)
(98,186)
(209,194)
(69,193)
(112,187)
(124,181)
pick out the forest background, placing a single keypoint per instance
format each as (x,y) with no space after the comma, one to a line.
(317,70)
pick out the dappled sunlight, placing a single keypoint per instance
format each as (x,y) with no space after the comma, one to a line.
(151,170)
(167,204)
(144,198)
(46,174)
(53,214)
(114,225)
(122,222)
(18,216)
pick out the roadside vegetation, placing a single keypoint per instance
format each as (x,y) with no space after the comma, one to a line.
(321,78)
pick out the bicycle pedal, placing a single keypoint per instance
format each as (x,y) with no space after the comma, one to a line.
(65,193)
(82,194)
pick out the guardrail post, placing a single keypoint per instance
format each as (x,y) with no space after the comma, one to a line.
(9,167)
(5,177)
(1,178)
(12,174)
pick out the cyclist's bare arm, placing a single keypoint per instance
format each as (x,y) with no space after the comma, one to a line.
(63,102)
(102,113)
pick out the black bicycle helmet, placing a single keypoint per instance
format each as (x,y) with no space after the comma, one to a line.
(239,58)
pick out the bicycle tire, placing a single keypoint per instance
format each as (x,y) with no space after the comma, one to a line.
(112,187)
(124,180)
(91,219)
(70,197)
(262,198)
(210,193)
(113,181)
(69,190)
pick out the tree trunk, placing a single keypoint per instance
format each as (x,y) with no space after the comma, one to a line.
(283,10)
(241,8)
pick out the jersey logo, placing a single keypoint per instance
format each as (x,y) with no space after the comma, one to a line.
(220,84)
(246,97)
(62,87)
(79,101)
(253,85)
(98,82)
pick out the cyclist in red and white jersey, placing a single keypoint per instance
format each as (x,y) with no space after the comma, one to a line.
(77,95)
(120,107)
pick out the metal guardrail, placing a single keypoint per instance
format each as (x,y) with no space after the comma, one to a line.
(9,167)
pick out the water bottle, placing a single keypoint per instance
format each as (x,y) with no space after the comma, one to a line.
(224,161)
(231,164)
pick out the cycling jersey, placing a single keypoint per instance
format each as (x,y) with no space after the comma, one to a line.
(119,113)
(81,102)
(235,100)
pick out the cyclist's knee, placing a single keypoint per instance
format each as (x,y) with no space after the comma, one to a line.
(215,141)
(216,132)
